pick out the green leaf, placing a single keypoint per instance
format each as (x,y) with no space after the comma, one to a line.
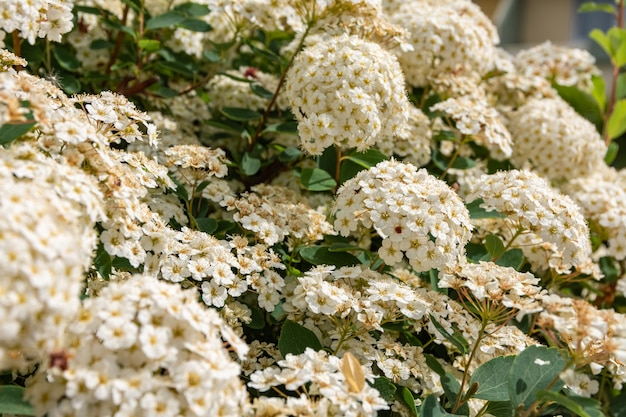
(500,409)
(616,125)
(149,45)
(385,388)
(494,245)
(581,406)
(513,258)
(180,190)
(166,19)
(598,91)
(611,153)
(10,131)
(295,338)
(358,161)
(432,408)
(206,224)
(212,56)
(195,25)
(434,364)
(407,398)
(456,339)
(260,91)
(289,154)
(444,135)
(477,212)
(240,114)
(534,369)
(460,162)
(609,268)
(287,127)
(617,37)
(162,91)
(321,255)
(12,401)
(367,159)
(315,179)
(66,59)
(70,84)
(452,388)
(102,262)
(101,44)
(250,165)
(193,9)
(257,316)
(170,68)
(618,405)
(118,26)
(592,6)
(602,39)
(581,101)
(492,378)
(134,4)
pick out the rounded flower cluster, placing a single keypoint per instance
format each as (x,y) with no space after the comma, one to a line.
(143,347)
(273,213)
(597,336)
(37,18)
(193,164)
(346,91)
(445,38)
(563,65)
(554,140)
(531,205)
(47,238)
(602,197)
(334,387)
(494,283)
(417,215)
(474,117)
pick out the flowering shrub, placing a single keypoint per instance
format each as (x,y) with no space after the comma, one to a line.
(306,208)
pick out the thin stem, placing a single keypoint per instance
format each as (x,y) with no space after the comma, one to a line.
(17,46)
(459,397)
(454,156)
(283,77)
(119,40)
(614,78)
(508,245)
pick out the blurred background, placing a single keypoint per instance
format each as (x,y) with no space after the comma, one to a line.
(524,23)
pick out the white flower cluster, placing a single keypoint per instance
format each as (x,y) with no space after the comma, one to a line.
(47,238)
(34,19)
(596,336)
(197,166)
(554,140)
(531,205)
(561,64)
(274,213)
(494,283)
(602,198)
(417,215)
(473,116)
(445,38)
(346,91)
(144,347)
(331,389)
(368,297)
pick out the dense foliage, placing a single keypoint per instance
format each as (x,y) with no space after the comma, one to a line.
(306,208)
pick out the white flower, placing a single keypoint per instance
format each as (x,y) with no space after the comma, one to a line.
(580,383)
